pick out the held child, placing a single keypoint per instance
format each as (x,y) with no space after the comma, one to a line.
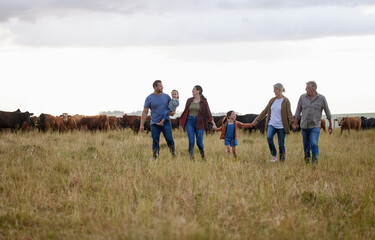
(229,132)
(173,104)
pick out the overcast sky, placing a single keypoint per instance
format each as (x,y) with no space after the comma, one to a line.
(103,55)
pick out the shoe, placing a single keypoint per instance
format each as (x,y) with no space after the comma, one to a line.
(274,159)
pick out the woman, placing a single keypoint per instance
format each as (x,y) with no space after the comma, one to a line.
(279,119)
(195,119)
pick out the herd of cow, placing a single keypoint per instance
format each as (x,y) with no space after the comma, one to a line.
(46,123)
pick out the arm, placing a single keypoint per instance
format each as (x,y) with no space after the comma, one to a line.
(210,118)
(261,115)
(328,114)
(297,114)
(245,125)
(143,119)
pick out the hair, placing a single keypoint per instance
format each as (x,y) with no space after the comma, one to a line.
(279,86)
(227,116)
(156,83)
(312,85)
(200,89)
(178,95)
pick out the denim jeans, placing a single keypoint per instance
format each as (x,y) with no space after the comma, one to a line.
(167,132)
(271,131)
(193,132)
(310,138)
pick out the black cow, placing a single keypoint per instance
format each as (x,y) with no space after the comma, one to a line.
(367,123)
(41,122)
(137,124)
(14,120)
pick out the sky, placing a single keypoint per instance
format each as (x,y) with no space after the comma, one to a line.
(87,56)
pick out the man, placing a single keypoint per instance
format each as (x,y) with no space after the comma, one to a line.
(311,105)
(158,103)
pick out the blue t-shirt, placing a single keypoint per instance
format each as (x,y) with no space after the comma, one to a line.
(229,133)
(158,106)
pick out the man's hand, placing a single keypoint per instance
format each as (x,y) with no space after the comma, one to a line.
(141,128)
(172,113)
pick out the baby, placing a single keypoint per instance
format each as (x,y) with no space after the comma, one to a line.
(173,104)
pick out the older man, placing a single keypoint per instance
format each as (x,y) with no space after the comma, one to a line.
(311,105)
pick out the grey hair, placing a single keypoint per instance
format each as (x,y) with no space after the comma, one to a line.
(279,86)
(312,85)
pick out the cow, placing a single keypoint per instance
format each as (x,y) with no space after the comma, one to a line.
(128,121)
(367,123)
(323,125)
(41,122)
(69,122)
(53,123)
(350,123)
(77,118)
(29,126)
(98,122)
(114,122)
(14,120)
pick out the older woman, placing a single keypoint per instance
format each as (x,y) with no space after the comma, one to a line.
(279,119)
(195,119)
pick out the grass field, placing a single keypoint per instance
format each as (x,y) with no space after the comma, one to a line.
(107,186)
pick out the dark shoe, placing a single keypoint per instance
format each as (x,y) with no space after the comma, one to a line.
(282,157)
(202,155)
(307,158)
(315,159)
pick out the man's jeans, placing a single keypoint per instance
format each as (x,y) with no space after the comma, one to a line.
(271,131)
(193,132)
(310,139)
(167,132)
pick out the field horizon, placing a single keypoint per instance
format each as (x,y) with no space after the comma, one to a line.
(106,185)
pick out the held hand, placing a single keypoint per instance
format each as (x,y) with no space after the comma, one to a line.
(295,126)
(214,128)
(141,128)
(330,129)
(172,113)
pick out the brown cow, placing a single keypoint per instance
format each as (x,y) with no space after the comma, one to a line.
(69,122)
(98,122)
(323,125)
(54,124)
(128,121)
(77,118)
(28,126)
(350,123)
(114,122)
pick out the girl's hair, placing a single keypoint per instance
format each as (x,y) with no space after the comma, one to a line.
(178,95)
(227,116)
(200,89)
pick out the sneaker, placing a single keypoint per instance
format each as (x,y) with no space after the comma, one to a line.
(274,159)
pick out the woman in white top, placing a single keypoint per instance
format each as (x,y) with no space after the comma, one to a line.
(279,119)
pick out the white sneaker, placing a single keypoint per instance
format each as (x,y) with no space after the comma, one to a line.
(274,159)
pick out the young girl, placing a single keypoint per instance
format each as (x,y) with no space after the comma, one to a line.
(229,132)
(173,104)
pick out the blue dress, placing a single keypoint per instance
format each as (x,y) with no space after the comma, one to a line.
(229,135)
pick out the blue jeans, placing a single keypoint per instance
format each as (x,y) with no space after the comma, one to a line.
(167,132)
(193,132)
(310,138)
(271,131)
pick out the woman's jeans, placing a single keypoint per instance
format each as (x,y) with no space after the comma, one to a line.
(166,129)
(310,138)
(193,132)
(271,131)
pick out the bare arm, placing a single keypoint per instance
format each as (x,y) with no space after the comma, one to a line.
(143,119)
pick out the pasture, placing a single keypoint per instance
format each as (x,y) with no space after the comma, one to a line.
(107,186)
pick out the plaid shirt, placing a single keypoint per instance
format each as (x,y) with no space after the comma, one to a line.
(204,114)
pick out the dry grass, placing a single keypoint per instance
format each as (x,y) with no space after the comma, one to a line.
(107,186)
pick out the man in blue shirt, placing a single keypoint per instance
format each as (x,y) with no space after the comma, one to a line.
(158,103)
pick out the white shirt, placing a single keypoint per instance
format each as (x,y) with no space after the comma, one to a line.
(275,120)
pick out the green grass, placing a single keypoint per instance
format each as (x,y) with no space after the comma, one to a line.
(107,186)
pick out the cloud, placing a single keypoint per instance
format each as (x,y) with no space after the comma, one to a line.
(162,22)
